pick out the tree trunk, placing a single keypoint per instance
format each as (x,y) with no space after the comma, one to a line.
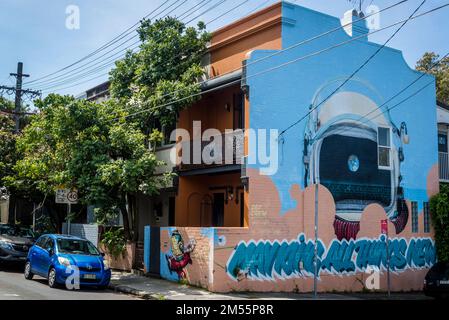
(134,215)
(125,221)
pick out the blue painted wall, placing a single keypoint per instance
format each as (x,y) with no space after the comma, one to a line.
(283,95)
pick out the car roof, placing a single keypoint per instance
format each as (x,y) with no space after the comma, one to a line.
(64,236)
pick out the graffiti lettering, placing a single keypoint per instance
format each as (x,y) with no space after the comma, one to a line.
(265,260)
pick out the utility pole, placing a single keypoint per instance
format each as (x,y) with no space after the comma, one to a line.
(315,255)
(18,91)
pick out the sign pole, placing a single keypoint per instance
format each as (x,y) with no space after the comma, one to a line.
(68,217)
(384,231)
(315,276)
(388,265)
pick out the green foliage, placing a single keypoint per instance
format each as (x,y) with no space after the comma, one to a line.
(441,73)
(167,68)
(8,153)
(96,147)
(114,241)
(78,144)
(439,208)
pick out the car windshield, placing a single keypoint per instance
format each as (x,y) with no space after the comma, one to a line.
(73,246)
(16,231)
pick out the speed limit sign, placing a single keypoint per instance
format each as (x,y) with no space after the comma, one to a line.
(72,197)
(66,196)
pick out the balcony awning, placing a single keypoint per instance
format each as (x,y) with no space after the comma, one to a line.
(229,78)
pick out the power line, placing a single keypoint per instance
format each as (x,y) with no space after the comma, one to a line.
(275,53)
(422,75)
(106,45)
(43,82)
(312,39)
(279,66)
(356,71)
(227,12)
(19,92)
(70,77)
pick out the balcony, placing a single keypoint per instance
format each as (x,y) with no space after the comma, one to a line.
(443,162)
(220,152)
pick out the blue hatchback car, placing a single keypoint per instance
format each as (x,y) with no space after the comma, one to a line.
(56,257)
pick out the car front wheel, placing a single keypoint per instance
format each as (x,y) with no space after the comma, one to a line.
(52,278)
(27,273)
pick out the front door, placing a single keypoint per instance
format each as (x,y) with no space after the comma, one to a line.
(218,210)
(171,211)
(155,251)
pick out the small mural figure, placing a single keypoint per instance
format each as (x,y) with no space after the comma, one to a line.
(180,256)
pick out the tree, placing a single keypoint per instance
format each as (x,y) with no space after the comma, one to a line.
(440,71)
(439,208)
(102,149)
(8,156)
(162,77)
(79,144)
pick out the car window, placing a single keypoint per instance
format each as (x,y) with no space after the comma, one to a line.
(74,246)
(49,244)
(41,241)
(16,231)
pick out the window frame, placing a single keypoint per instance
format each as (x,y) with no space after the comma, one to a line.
(426,217)
(415,217)
(379,166)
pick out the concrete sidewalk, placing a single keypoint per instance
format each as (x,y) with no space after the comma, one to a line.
(159,289)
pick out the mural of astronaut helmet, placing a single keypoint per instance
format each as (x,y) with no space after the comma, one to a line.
(353,148)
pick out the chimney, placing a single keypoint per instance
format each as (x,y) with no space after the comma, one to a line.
(357,28)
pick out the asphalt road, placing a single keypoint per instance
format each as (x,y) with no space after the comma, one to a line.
(13,286)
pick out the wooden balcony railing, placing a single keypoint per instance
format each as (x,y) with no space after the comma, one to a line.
(225,149)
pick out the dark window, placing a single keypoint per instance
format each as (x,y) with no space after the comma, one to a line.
(49,244)
(384,147)
(238,109)
(171,211)
(242,210)
(218,210)
(41,241)
(426,217)
(72,246)
(414,216)
(442,142)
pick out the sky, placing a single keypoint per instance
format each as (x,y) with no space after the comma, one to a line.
(36,33)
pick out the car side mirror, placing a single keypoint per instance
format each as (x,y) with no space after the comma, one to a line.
(51,251)
(102,254)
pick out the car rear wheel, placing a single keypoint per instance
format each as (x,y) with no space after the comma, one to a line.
(27,273)
(52,278)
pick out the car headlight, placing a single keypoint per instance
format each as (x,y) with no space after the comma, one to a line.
(64,261)
(106,265)
(6,245)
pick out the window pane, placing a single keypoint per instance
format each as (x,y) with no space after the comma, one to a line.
(384,137)
(442,142)
(426,217)
(414,216)
(384,157)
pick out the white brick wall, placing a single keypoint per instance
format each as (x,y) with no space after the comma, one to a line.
(86,231)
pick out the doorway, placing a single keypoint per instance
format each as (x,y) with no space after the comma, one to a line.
(218,210)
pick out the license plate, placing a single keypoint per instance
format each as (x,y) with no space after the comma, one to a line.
(444,281)
(89,276)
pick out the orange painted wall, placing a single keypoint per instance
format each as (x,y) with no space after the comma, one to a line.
(211,111)
(229,47)
(194,188)
(230,44)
